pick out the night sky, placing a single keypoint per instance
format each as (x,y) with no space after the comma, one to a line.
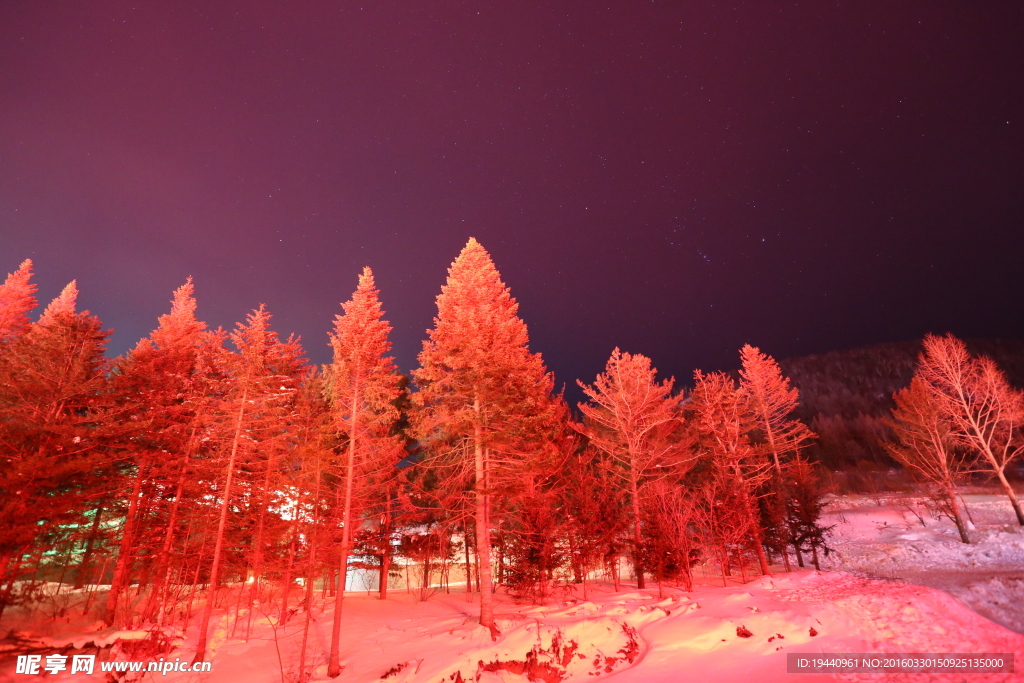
(673,178)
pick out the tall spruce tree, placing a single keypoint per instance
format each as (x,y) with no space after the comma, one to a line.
(483,396)
(636,421)
(364,388)
(157,386)
(772,401)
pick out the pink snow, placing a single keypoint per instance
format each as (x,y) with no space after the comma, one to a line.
(678,637)
(637,636)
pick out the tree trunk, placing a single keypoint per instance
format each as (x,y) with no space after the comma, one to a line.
(785,527)
(310,567)
(6,595)
(638,567)
(309,612)
(425,577)
(1011,495)
(483,528)
(780,483)
(195,584)
(334,663)
(287,585)
(125,551)
(164,570)
(385,559)
(762,559)
(90,543)
(954,505)
(257,563)
(92,593)
(469,569)
(221,525)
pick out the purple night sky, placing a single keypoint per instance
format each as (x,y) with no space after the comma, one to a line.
(673,178)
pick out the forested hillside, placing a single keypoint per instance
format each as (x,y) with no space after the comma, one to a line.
(845,394)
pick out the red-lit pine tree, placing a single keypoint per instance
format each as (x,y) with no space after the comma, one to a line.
(483,397)
(260,385)
(364,388)
(16,300)
(157,386)
(670,549)
(636,421)
(598,514)
(533,530)
(54,414)
(772,401)
(722,422)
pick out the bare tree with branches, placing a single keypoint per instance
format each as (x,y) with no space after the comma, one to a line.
(926,448)
(985,413)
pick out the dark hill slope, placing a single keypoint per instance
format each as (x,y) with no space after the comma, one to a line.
(844,395)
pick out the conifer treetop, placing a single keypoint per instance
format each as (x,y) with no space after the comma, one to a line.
(64,304)
(261,352)
(360,335)
(763,379)
(23,272)
(721,411)
(252,337)
(360,368)
(476,369)
(628,390)
(16,301)
(477,331)
(180,325)
(772,400)
(629,409)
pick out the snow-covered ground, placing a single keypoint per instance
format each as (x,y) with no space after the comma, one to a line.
(895,538)
(877,597)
